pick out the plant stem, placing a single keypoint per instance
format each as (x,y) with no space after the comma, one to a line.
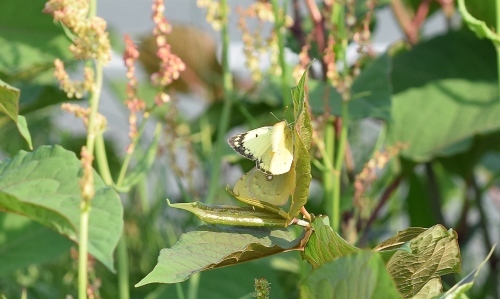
(85,204)
(488,244)
(122,261)
(226,109)
(279,27)
(339,159)
(497,46)
(329,173)
(102,160)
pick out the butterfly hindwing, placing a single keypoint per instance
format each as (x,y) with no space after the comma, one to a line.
(270,147)
(273,189)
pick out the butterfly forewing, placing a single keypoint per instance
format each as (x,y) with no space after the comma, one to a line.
(270,147)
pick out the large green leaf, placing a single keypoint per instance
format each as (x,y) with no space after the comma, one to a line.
(431,254)
(18,238)
(212,247)
(44,186)
(371,93)
(446,93)
(361,275)
(222,282)
(29,39)
(324,244)
(455,55)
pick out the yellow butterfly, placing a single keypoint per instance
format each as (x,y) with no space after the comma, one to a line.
(271,147)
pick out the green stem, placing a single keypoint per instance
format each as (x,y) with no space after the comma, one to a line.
(102,160)
(329,171)
(339,159)
(128,156)
(226,109)
(279,28)
(194,284)
(85,205)
(497,46)
(82,254)
(122,261)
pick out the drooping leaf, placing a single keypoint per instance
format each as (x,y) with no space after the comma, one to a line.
(448,82)
(478,26)
(44,186)
(9,100)
(432,254)
(22,126)
(233,215)
(457,291)
(360,275)
(325,245)
(371,93)
(211,247)
(400,238)
(17,239)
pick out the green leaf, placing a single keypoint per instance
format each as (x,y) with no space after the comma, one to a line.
(302,144)
(212,247)
(400,238)
(477,26)
(433,253)
(398,242)
(22,126)
(360,275)
(17,238)
(221,282)
(431,289)
(467,282)
(302,177)
(371,93)
(438,86)
(44,186)
(325,245)
(35,96)
(29,45)
(9,100)
(233,215)
(144,163)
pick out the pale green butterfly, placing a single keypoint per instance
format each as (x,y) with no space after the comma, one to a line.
(271,147)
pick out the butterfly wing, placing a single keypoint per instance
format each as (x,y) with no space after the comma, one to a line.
(252,144)
(257,185)
(270,147)
(282,149)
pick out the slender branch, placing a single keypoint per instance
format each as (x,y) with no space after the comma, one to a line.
(488,244)
(434,194)
(226,109)
(279,28)
(383,200)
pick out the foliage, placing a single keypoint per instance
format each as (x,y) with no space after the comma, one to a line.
(407,137)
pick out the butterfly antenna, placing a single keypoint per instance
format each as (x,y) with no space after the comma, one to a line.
(275,116)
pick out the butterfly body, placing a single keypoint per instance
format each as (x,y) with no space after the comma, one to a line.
(271,147)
